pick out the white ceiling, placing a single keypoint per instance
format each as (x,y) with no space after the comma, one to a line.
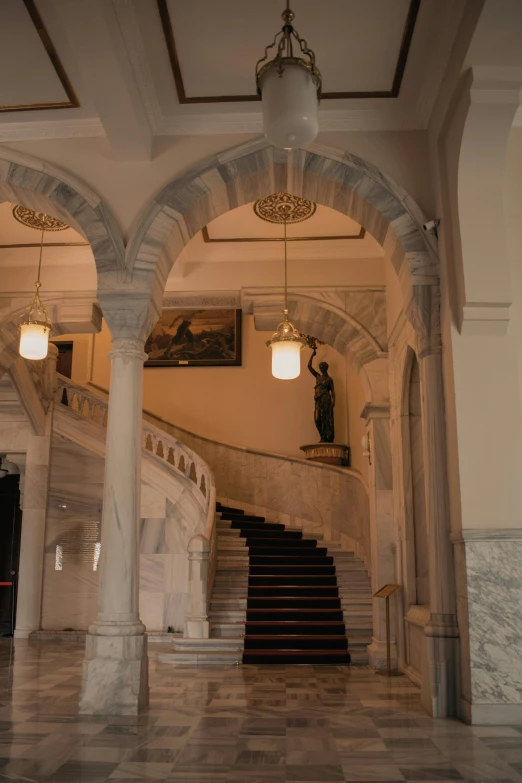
(232,34)
(115,56)
(33,79)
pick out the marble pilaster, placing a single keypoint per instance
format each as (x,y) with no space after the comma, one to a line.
(382,540)
(441,632)
(115,679)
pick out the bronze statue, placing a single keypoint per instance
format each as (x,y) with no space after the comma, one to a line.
(324,396)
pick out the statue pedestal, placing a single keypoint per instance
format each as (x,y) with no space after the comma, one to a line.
(330,453)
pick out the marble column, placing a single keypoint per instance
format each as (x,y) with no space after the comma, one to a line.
(197,625)
(382,539)
(34,492)
(34,486)
(440,694)
(115,676)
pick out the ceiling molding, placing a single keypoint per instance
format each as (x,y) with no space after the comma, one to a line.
(207,299)
(72,102)
(210,124)
(170,42)
(17,245)
(52,129)
(209,240)
(133,39)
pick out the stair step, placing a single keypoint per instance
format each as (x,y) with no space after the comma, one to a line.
(219,630)
(202,658)
(266,580)
(228,510)
(206,645)
(266,614)
(285,591)
(329,657)
(293,602)
(301,628)
(289,570)
(272,535)
(296,558)
(296,642)
(283,546)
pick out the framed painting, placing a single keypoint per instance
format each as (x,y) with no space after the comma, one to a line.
(195,338)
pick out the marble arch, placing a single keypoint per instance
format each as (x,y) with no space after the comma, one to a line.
(334,179)
(45,188)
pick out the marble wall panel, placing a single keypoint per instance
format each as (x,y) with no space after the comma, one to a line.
(494,588)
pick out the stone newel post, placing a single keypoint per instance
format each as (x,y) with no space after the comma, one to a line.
(197,625)
(115,667)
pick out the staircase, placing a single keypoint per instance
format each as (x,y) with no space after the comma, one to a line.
(280,598)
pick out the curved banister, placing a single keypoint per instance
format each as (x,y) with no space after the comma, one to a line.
(175,456)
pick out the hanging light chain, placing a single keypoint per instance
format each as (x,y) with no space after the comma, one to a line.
(286,272)
(283,44)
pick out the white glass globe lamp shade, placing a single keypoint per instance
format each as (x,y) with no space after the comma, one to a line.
(286,360)
(290,106)
(286,344)
(34,340)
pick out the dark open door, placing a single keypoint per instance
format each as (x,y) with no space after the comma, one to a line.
(10,530)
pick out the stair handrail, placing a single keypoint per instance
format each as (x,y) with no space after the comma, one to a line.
(167,449)
(176,456)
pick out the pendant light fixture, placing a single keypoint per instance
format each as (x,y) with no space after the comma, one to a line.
(286,342)
(35,327)
(290,87)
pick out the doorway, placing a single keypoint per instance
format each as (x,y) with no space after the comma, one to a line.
(10,530)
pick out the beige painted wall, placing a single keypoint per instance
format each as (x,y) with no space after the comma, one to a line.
(245,405)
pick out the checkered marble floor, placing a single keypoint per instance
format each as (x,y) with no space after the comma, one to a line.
(236,725)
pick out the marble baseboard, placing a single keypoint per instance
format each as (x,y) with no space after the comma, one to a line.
(496,714)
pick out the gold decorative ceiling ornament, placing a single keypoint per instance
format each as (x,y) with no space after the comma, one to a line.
(284,208)
(37,220)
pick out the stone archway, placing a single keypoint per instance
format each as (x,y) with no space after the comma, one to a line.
(44,188)
(340,181)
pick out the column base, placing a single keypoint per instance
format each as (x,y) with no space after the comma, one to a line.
(377,655)
(440,689)
(115,675)
(22,633)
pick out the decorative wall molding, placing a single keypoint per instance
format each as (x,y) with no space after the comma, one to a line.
(472,535)
(485,319)
(207,299)
(52,129)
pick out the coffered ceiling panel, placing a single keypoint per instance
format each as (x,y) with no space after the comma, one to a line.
(32,74)
(361,47)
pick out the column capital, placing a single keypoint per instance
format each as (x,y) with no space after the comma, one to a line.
(128,348)
(371,411)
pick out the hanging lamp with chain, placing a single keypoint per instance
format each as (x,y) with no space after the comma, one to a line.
(290,88)
(35,327)
(286,342)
